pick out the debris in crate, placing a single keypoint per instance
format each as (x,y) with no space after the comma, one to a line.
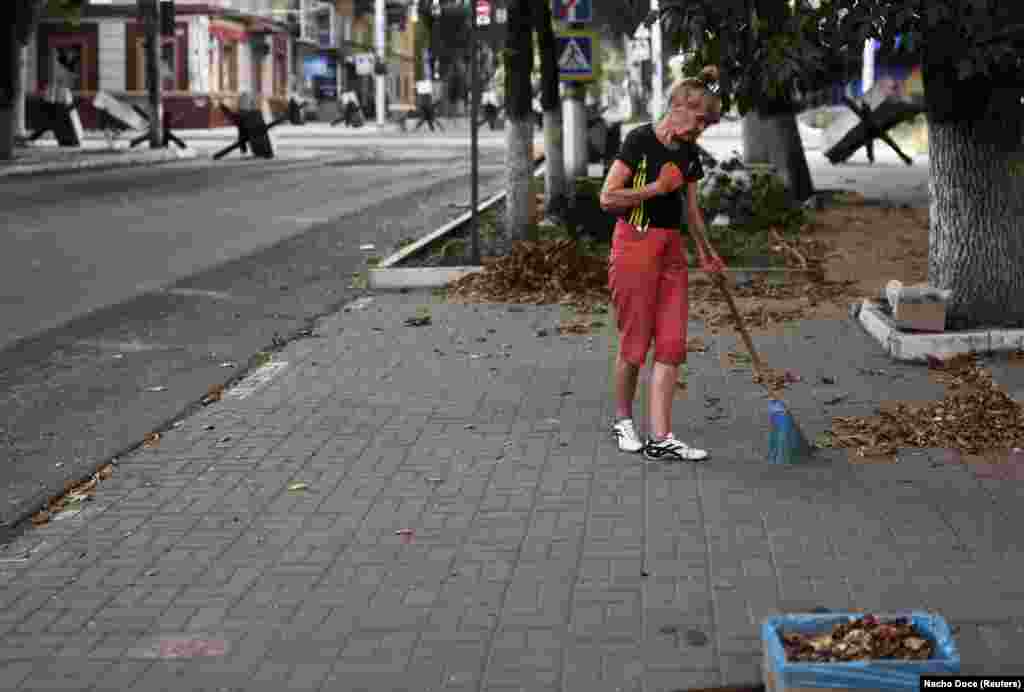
(866,638)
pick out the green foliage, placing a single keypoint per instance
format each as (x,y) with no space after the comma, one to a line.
(69,11)
(771,50)
(754,209)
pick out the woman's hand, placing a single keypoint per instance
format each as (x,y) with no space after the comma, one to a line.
(709,260)
(670,179)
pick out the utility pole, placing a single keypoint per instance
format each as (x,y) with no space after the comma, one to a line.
(151,22)
(380,23)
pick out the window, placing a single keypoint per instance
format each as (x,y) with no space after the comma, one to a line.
(229,67)
(168,66)
(213,67)
(280,68)
(66,66)
(170,69)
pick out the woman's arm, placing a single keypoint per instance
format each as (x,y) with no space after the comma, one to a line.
(615,198)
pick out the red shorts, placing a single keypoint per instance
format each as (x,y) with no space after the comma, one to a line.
(648,281)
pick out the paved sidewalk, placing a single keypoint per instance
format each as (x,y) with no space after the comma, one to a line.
(197,568)
(48,158)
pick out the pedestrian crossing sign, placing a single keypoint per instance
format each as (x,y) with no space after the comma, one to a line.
(576,55)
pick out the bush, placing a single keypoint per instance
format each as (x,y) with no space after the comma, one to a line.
(755,202)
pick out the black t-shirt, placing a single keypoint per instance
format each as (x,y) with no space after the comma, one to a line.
(645,155)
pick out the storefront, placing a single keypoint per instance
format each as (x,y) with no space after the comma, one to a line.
(212,59)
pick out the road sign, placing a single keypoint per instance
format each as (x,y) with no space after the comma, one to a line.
(576,55)
(573,10)
(483,12)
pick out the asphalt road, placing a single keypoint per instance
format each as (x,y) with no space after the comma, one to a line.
(125,294)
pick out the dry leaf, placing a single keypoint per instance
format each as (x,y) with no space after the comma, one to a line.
(864,638)
(975,416)
(696,345)
(41,517)
(214,393)
(151,440)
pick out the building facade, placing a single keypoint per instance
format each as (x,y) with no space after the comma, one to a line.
(230,52)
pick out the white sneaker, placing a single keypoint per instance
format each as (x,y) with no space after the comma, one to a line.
(625,432)
(671,449)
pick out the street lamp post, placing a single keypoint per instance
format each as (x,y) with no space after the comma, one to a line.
(474,158)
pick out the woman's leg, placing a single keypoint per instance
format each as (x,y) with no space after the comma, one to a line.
(626,376)
(633,279)
(669,335)
(663,391)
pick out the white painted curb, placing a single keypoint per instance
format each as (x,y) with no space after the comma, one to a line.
(915,348)
(418,277)
(387,276)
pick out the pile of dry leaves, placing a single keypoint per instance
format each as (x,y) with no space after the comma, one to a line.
(538,272)
(974,417)
(866,638)
(763,303)
(75,495)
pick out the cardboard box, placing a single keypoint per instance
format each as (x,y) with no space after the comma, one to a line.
(920,317)
(783,676)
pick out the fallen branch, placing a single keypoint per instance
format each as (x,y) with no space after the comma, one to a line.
(777,237)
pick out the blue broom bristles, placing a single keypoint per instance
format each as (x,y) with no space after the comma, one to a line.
(786,443)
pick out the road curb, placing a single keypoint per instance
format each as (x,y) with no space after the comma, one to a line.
(386,275)
(115,161)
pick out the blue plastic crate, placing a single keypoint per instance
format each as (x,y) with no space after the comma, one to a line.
(782,676)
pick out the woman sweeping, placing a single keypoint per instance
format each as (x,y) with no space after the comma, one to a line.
(647,271)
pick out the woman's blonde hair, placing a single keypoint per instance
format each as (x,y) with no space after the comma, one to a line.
(694,91)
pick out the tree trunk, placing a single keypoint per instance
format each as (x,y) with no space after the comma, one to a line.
(9,78)
(555,199)
(775,139)
(976,235)
(151,27)
(519,125)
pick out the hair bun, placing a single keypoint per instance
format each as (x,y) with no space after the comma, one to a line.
(709,74)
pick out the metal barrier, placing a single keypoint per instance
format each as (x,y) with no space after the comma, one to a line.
(252,132)
(58,113)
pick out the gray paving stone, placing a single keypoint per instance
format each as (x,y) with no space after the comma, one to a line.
(523,572)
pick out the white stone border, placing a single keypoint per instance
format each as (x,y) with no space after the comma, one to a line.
(387,276)
(915,348)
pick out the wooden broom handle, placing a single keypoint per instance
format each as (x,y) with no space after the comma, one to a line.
(720,280)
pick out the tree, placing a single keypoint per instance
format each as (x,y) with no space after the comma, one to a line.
(767,50)
(518,59)
(19,20)
(971,66)
(971,52)
(555,191)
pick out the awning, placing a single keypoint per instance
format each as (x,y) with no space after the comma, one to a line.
(262,26)
(226,33)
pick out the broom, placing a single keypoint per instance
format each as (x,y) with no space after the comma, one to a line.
(786,442)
